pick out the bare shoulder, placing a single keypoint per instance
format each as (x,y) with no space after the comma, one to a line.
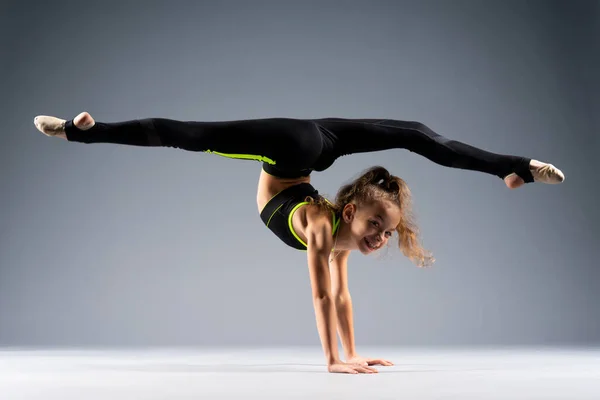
(317,217)
(318,228)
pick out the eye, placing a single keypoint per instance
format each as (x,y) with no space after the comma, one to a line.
(388,234)
(375,223)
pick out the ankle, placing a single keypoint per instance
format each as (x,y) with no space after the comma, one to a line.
(513,181)
(83,121)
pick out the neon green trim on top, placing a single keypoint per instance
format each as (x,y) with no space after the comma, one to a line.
(290,222)
(243,156)
(336,223)
(269,221)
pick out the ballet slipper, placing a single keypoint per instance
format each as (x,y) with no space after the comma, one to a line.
(50,126)
(541,172)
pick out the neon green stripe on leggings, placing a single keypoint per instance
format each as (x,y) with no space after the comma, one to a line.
(243,156)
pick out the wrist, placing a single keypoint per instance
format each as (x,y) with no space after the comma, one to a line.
(333,360)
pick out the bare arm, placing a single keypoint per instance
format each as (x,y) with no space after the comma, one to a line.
(320,243)
(343,307)
(343,302)
(318,235)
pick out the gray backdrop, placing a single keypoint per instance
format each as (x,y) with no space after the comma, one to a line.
(114,245)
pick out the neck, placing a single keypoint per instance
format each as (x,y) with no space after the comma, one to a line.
(343,237)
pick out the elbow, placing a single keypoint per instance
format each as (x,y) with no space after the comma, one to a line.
(342,298)
(322,298)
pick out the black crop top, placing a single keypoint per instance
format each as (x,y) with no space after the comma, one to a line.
(277,214)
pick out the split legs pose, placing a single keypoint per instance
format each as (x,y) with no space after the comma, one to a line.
(292,147)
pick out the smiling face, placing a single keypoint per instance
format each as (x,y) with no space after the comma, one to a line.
(371,224)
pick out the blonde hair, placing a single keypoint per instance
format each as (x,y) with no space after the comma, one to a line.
(376,183)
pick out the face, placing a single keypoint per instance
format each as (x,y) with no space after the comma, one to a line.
(371,224)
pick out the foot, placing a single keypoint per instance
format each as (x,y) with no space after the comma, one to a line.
(542,172)
(52,126)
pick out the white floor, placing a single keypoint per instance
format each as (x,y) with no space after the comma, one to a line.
(298,373)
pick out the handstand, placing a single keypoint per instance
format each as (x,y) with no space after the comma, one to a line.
(365,213)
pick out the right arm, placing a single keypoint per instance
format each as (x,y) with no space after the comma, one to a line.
(318,267)
(320,243)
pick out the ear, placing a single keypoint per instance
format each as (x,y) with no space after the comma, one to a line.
(348,212)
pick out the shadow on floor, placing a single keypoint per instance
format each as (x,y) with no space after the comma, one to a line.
(264,368)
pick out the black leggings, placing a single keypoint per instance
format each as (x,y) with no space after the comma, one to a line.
(294,147)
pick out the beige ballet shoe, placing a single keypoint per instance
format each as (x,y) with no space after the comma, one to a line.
(548,173)
(50,126)
(542,172)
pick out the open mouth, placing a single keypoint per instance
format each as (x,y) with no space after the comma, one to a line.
(370,245)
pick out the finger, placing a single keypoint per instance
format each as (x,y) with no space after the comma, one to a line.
(369,370)
(380,362)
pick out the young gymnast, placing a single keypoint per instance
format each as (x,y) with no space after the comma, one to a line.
(364,214)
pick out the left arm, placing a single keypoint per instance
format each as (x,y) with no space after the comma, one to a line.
(338,269)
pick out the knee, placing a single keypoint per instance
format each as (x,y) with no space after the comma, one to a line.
(421,127)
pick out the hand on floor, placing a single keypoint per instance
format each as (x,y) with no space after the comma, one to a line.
(348,368)
(369,361)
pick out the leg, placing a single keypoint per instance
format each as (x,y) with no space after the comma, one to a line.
(284,144)
(356,136)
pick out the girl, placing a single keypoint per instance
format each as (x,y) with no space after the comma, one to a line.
(365,213)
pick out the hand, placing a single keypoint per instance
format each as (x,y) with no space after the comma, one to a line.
(347,368)
(368,361)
